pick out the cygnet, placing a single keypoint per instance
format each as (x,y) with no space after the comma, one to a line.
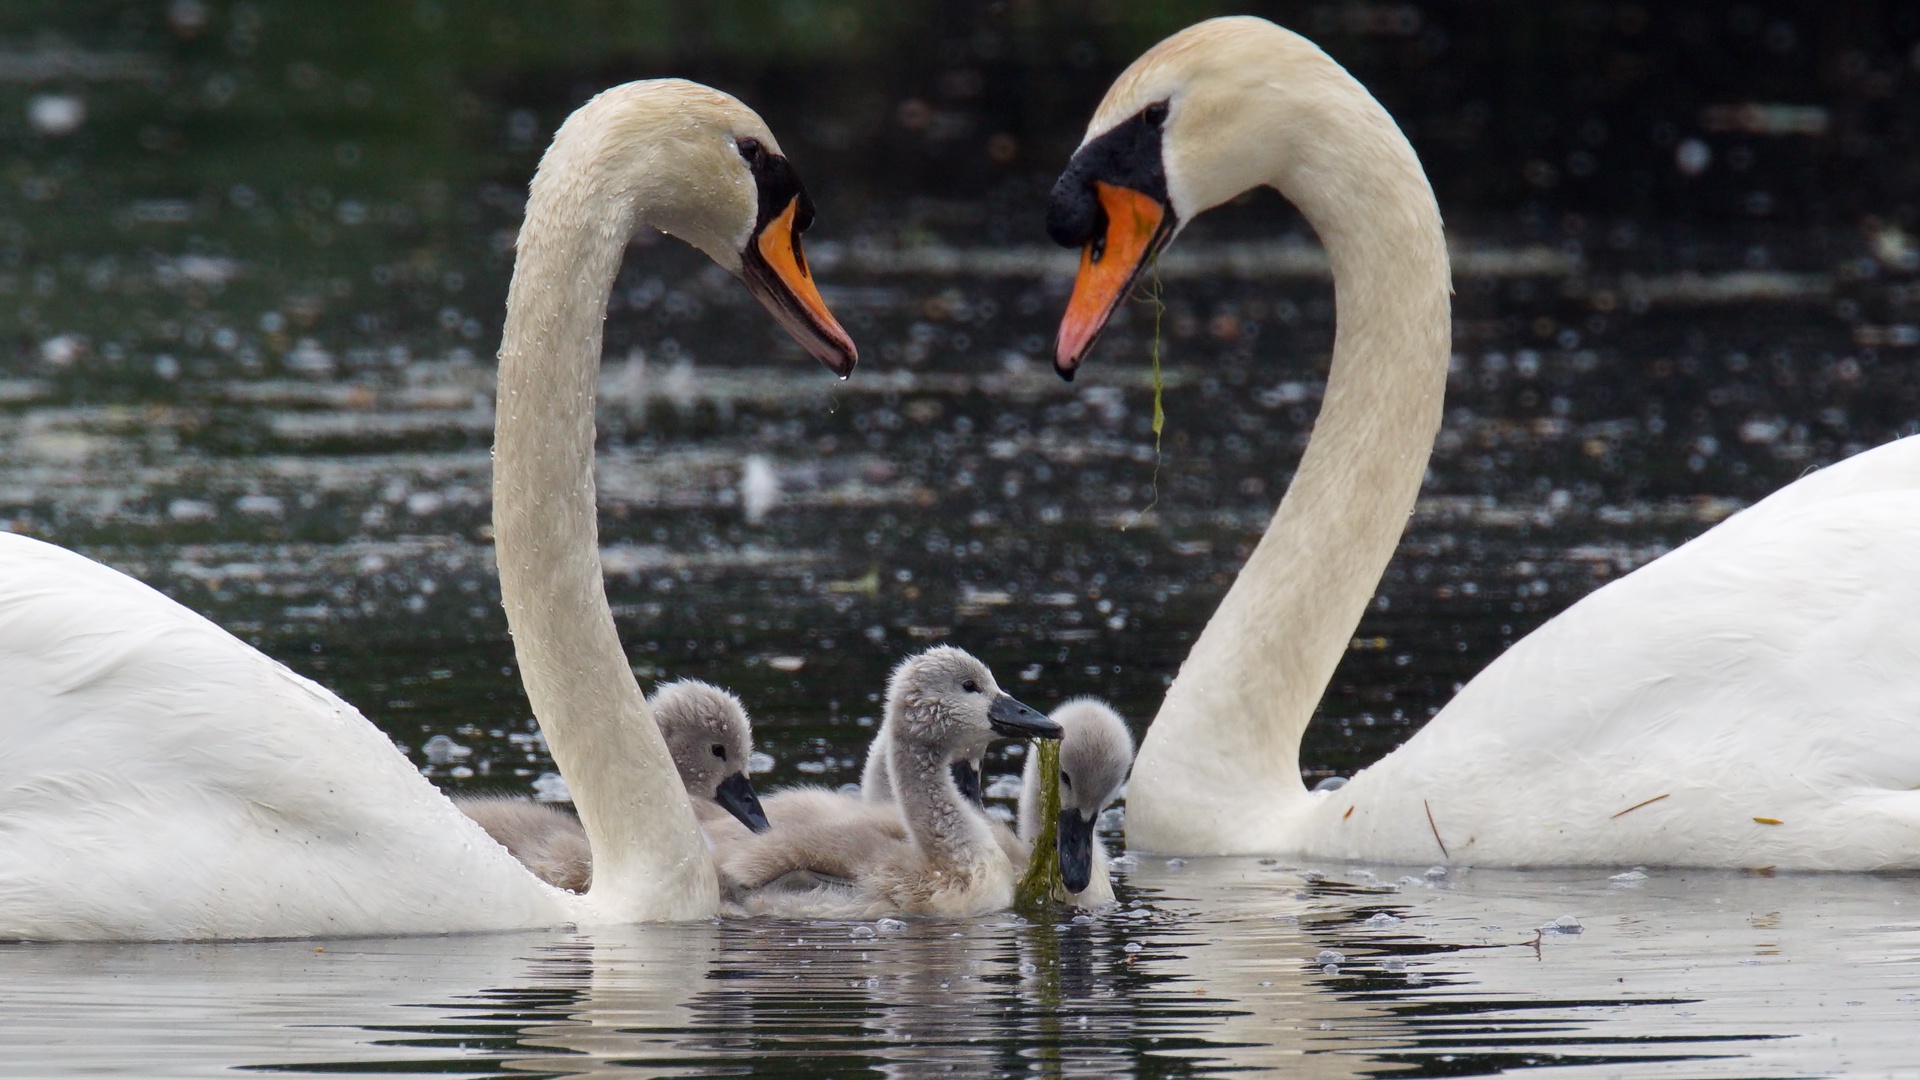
(850,860)
(1096,753)
(707,732)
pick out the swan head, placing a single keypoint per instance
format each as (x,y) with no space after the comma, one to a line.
(699,165)
(1096,753)
(707,731)
(947,699)
(1196,121)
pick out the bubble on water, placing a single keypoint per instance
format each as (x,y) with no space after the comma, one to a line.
(56,114)
(1331,783)
(759,488)
(1028,968)
(1113,819)
(441,749)
(1131,946)
(308,358)
(812,768)
(1565,924)
(1123,862)
(63,350)
(422,503)
(1004,786)
(1414,978)
(786,663)
(261,505)
(890,926)
(760,761)
(1290,920)
(1330,969)
(551,787)
(1395,965)
(1437,871)
(1380,918)
(1175,864)
(1330,956)
(1629,878)
(461,772)
(191,510)
(1692,157)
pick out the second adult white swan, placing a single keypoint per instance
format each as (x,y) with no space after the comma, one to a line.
(160,779)
(1752,699)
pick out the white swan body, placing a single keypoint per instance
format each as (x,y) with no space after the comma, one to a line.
(1750,699)
(850,858)
(164,780)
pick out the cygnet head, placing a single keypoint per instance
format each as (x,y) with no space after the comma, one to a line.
(1096,753)
(946,699)
(703,167)
(708,733)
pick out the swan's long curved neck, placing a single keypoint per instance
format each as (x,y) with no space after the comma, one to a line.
(941,824)
(1221,761)
(647,852)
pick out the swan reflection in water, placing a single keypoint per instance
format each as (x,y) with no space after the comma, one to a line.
(1702,971)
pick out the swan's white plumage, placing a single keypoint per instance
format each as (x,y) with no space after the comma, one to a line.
(1769,671)
(164,780)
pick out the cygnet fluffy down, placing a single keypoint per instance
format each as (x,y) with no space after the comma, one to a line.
(850,860)
(710,738)
(1096,753)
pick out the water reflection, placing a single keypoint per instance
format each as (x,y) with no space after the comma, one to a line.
(1208,966)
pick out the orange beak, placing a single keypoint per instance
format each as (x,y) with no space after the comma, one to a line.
(776,272)
(1108,266)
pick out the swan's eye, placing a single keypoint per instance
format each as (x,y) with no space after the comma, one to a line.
(1155,114)
(719,751)
(1065,780)
(749,148)
(970,686)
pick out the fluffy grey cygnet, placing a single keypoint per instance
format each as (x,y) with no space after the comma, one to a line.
(710,738)
(1096,754)
(931,854)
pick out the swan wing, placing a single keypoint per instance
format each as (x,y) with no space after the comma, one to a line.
(163,780)
(1750,699)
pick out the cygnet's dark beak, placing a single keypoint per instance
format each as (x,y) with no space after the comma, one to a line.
(735,796)
(1017,721)
(966,777)
(1075,844)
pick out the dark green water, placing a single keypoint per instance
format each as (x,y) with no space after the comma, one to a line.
(248,307)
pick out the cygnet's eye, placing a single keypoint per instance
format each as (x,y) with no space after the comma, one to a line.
(719,751)
(1065,780)
(970,686)
(1155,114)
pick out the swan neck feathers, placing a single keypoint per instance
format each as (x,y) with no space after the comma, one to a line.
(660,154)
(1251,104)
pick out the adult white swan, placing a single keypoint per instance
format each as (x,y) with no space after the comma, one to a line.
(160,779)
(1751,699)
